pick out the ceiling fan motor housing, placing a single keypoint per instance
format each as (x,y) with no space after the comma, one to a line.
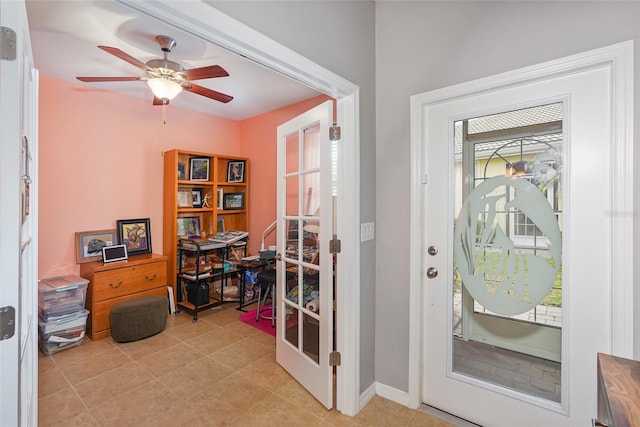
(166,43)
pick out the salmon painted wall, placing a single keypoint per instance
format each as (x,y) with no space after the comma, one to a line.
(258,137)
(101,160)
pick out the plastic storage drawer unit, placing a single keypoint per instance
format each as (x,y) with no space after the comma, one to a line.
(62,333)
(61,296)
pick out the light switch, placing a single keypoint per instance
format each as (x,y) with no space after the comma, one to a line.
(367,231)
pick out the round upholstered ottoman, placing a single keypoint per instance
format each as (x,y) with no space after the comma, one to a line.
(138,318)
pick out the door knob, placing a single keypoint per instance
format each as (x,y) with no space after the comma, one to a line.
(432,272)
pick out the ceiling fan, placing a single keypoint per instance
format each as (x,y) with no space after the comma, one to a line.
(166,78)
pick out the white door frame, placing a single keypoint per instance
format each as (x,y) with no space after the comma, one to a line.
(208,23)
(619,59)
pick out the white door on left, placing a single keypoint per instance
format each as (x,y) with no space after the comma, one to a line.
(18,222)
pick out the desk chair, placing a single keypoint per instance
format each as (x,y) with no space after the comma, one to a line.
(266,290)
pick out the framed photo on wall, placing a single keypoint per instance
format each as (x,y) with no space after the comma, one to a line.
(235,172)
(89,244)
(135,234)
(199,170)
(233,201)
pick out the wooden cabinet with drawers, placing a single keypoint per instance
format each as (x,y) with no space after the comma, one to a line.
(109,284)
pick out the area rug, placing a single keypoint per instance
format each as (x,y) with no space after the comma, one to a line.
(262,324)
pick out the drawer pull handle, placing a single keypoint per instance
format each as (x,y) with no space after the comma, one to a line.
(152,277)
(111,285)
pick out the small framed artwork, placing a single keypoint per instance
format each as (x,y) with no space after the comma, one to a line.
(182,171)
(233,201)
(89,244)
(199,169)
(196,197)
(135,234)
(235,172)
(188,227)
(185,199)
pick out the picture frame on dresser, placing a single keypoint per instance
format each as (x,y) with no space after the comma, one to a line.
(89,244)
(135,234)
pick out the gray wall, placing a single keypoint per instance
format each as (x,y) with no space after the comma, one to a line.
(340,37)
(422,46)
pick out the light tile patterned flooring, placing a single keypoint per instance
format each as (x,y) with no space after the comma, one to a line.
(215,372)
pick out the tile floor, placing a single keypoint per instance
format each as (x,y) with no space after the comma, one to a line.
(215,372)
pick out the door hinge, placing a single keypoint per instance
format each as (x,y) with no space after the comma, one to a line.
(335,358)
(334,132)
(7,322)
(7,44)
(334,245)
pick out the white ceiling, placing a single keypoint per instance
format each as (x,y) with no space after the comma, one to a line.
(65,35)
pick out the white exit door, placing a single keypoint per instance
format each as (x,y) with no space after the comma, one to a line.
(18,221)
(524,190)
(304,336)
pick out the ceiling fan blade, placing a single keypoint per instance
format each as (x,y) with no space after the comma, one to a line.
(108,79)
(205,72)
(218,96)
(125,57)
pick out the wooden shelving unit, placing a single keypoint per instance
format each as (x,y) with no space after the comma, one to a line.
(178,178)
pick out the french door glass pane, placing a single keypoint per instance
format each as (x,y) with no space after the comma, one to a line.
(300,295)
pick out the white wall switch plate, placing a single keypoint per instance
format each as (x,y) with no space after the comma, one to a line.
(367,231)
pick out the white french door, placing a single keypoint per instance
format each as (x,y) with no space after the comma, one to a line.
(304,320)
(19,221)
(468,194)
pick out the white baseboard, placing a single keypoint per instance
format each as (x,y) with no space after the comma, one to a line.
(393,394)
(367,395)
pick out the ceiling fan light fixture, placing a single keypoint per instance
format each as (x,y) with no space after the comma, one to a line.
(164,88)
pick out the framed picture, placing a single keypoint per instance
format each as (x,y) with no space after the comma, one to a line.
(196,197)
(220,197)
(135,234)
(114,253)
(188,227)
(89,244)
(182,171)
(185,199)
(233,201)
(199,169)
(235,172)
